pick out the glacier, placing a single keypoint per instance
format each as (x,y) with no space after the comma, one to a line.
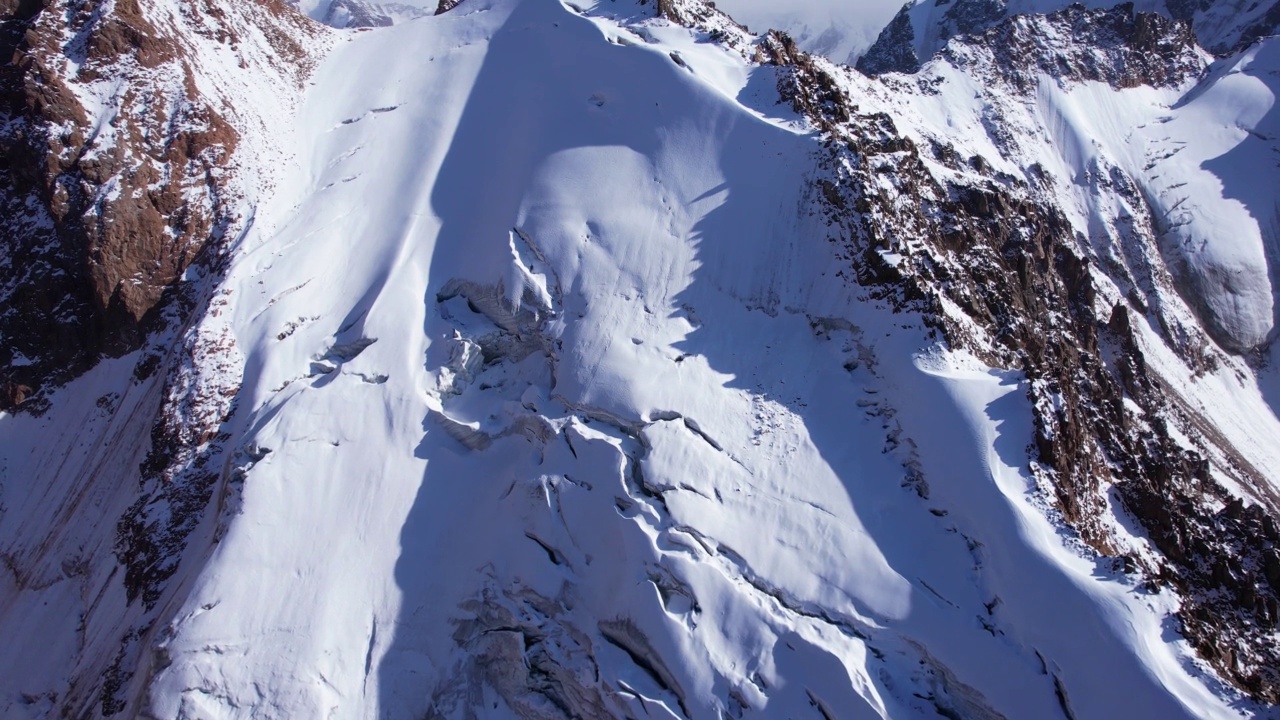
(543,396)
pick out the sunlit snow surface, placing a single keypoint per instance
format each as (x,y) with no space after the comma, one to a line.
(537,327)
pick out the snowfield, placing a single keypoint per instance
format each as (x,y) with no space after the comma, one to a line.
(546,386)
(553,401)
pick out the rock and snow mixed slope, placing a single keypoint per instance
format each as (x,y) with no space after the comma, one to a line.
(137,140)
(121,171)
(923,27)
(557,408)
(555,376)
(1052,214)
(1037,202)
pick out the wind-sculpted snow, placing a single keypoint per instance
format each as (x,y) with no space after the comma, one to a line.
(601,359)
(639,446)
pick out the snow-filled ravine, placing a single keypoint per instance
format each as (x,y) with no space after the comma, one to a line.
(555,401)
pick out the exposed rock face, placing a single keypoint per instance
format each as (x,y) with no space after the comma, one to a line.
(923,28)
(115,176)
(445,6)
(103,228)
(906,42)
(1117,46)
(894,49)
(123,178)
(994,253)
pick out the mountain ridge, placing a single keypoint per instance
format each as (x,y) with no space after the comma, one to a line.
(921,29)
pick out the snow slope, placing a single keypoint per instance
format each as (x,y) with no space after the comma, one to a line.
(69,474)
(551,404)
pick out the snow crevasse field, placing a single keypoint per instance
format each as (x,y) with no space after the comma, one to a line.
(552,403)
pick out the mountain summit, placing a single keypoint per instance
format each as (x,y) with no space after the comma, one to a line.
(923,27)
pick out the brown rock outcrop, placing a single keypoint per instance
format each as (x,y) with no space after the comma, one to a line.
(102,207)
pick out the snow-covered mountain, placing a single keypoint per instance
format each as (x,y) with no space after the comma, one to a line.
(836,29)
(525,358)
(361,13)
(923,27)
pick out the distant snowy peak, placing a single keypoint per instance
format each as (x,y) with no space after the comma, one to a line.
(371,13)
(1120,47)
(923,27)
(353,13)
(830,31)
(361,13)
(1226,27)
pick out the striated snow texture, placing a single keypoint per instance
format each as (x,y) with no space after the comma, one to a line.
(533,390)
(549,407)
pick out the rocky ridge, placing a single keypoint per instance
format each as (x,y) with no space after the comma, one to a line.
(135,140)
(922,28)
(120,139)
(1001,271)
